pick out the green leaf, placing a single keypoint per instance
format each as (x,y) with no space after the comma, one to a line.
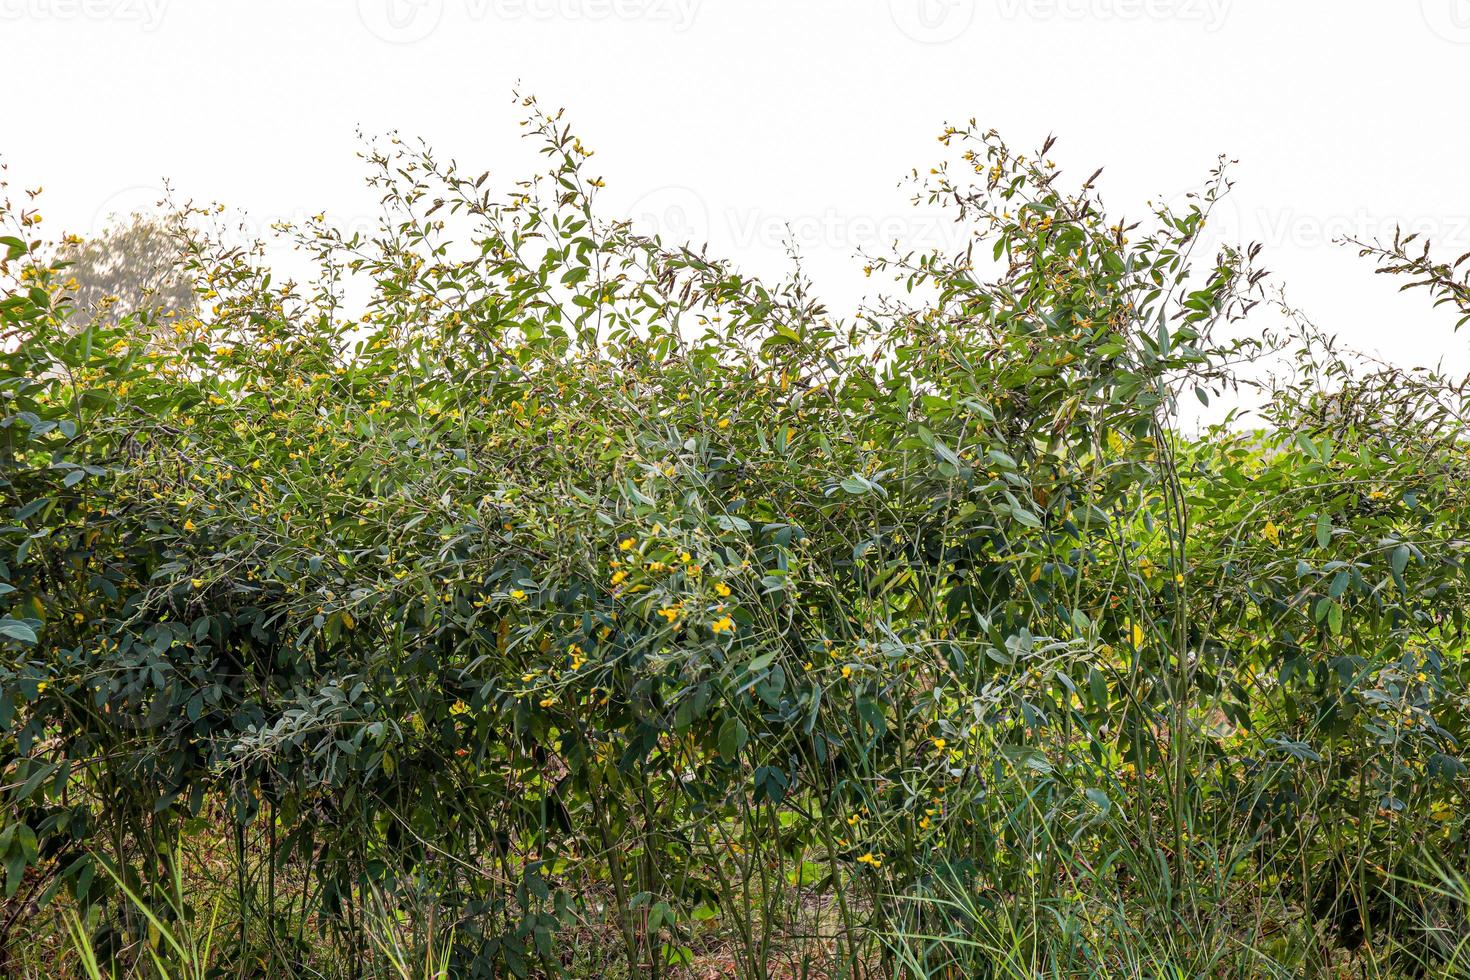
(732,738)
(1400,559)
(14,629)
(37,776)
(760,663)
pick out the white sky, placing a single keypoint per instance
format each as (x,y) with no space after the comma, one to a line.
(733,118)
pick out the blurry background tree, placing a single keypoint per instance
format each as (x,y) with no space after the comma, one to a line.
(132,266)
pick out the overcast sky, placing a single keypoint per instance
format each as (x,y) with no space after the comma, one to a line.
(733,119)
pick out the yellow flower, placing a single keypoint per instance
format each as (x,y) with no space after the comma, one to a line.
(459,708)
(724,423)
(939,744)
(870,859)
(846,671)
(627,544)
(723,625)
(618,577)
(517,594)
(670,613)
(547,702)
(722,590)
(188,525)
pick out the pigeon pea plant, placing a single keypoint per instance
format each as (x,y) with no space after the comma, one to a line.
(576,579)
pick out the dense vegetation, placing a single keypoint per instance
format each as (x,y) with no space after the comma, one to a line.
(576,605)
